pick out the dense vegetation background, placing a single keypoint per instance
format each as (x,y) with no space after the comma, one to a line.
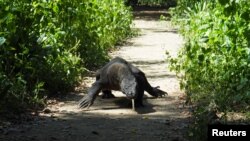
(46,45)
(214,63)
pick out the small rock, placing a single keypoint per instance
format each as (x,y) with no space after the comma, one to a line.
(167,122)
(95,133)
(53,116)
(32,138)
(64,111)
(53,138)
(47,111)
(61,104)
(175,139)
(22,131)
(34,113)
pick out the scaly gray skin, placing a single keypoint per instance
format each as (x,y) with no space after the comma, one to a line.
(118,74)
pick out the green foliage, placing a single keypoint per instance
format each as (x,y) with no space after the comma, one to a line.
(45,46)
(215,61)
(107,22)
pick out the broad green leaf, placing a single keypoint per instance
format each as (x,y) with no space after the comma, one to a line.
(2,40)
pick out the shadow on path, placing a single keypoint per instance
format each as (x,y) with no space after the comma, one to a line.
(150,13)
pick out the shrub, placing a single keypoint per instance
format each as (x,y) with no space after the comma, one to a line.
(215,57)
(215,60)
(45,46)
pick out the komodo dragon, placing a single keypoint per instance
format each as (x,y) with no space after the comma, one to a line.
(120,75)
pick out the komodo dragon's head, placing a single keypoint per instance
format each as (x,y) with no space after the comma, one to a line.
(129,87)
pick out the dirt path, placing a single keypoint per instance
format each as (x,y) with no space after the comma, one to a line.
(162,119)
